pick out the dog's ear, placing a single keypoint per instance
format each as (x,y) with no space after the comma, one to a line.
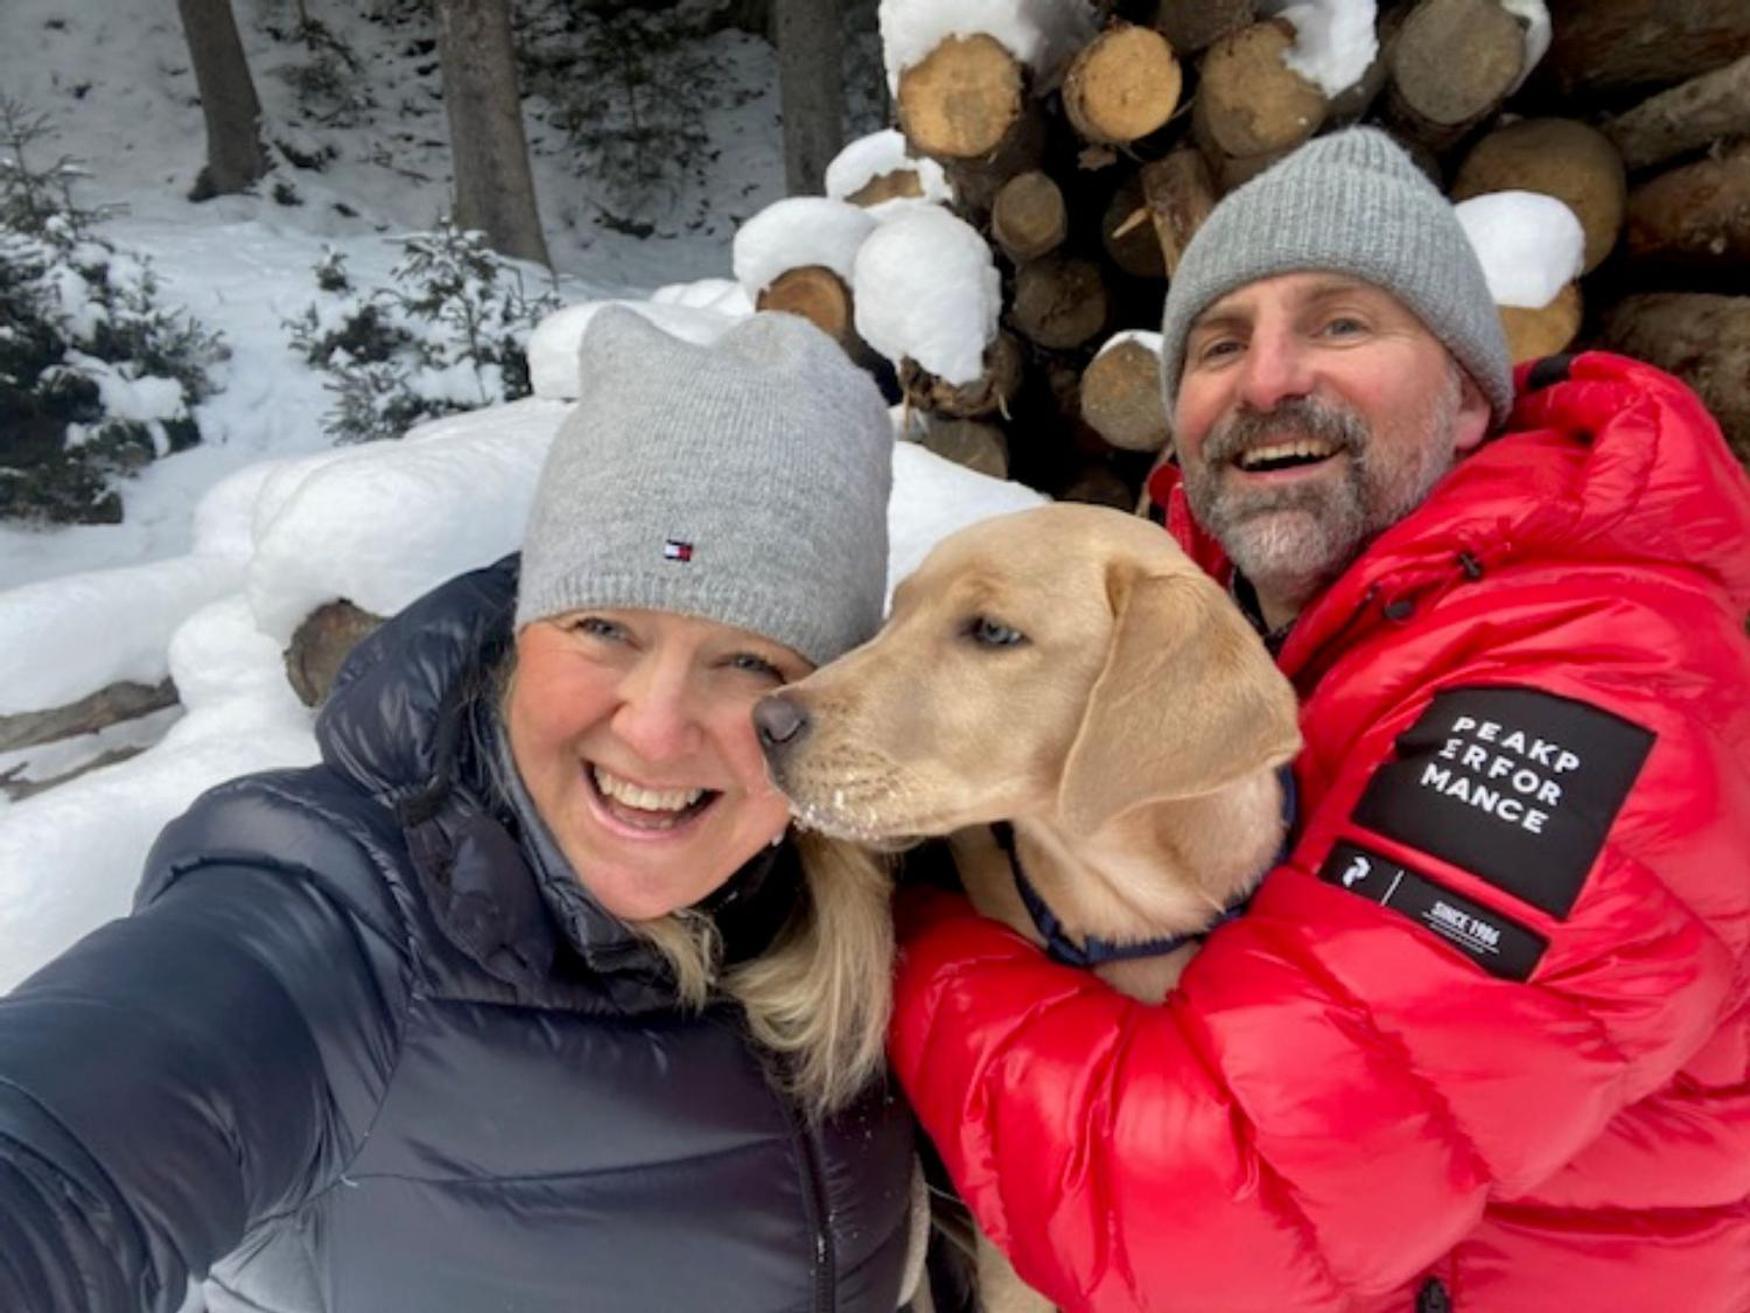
(1188,701)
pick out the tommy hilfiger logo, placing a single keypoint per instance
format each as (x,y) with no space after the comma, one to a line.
(676,550)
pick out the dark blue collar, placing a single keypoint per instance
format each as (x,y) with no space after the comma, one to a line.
(1091,952)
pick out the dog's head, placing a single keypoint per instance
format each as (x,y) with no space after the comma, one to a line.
(1067,663)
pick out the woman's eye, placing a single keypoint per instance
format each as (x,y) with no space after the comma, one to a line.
(993,633)
(756,665)
(595,627)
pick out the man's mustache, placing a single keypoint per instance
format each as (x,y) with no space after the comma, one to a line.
(1297,417)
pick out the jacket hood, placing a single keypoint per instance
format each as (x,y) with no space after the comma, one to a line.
(1602,458)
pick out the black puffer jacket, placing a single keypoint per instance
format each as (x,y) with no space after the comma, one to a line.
(350,1035)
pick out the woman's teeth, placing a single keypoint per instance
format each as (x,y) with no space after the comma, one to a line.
(649,800)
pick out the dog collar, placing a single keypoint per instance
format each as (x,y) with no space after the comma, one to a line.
(1093,951)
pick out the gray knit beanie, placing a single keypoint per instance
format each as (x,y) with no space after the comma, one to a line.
(1352,203)
(744,482)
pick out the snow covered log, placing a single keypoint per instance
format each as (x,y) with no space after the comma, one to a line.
(1604,46)
(820,296)
(1564,158)
(1709,108)
(111,705)
(1250,105)
(1703,339)
(1121,394)
(987,394)
(1696,215)
(320,645)
(1452,64)
(963,99)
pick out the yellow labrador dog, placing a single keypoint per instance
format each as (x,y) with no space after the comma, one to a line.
(1067,675)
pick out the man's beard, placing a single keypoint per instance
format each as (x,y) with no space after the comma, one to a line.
(1293,540)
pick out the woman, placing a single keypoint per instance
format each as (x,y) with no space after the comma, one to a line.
(526,998)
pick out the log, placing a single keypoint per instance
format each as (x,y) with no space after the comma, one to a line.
(1545,331)
(1194,25)
(108,706)
(1180,193)
(1709,108)
(1451,65)
(988,394)
(820,296)
(1695,215)
(969,442)
(320,645)
(1703,339)
(1122,85)
(1603,46)
(1127,234)
(899,184)
(1564,158)
(1121,397)
(1249,103)
(1028,218)
(1099,485)
(962,100)
(17,787)
(1060,301)
(976,182)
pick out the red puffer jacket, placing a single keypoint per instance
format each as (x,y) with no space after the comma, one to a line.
(1483,1041)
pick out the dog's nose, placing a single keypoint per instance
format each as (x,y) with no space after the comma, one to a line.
(780,722)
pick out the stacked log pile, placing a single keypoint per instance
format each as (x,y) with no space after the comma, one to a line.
(1088,176)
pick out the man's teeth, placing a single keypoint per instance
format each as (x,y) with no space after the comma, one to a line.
(1306,449)
(650,800)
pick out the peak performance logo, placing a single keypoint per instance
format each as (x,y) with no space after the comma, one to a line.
(1516,786)
(1501,946)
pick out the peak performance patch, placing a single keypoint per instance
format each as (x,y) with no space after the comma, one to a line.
(1499,945)
(1516,786)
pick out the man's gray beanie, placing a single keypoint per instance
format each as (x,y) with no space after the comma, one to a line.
(744,482)
(1351,203)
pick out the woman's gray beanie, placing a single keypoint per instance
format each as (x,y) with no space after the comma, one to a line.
(744,482)
(1352,203)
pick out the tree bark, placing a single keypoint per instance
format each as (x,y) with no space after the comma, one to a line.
(494,189)
(235,158)
(1704,340)
(1697,216)
(1709,108)
(1602,46)
(811,87)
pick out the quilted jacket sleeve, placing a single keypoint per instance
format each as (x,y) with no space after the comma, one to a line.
(173,1078)
(1325,1104)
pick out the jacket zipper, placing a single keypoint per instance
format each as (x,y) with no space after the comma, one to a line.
(814,1209)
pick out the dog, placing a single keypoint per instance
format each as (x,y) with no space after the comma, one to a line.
(1090,721)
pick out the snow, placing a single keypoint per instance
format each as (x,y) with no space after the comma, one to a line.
(1334,40)
(553,345)
(875,156)
(1535,15)
(1531,245)
(926,286)
(1042,34)
(795,233)
(1139,335)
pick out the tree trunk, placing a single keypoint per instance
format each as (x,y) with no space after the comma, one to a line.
(494,190)
(811,87)
(235,158)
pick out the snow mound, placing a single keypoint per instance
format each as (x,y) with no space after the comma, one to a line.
(795,233)
(553,345)
(926,286)
(880,153)
(1334,40)
(1150,340)
(1531,245)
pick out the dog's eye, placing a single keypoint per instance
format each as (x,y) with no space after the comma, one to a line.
(993,633)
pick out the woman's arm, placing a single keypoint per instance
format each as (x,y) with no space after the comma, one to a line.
(177,1076)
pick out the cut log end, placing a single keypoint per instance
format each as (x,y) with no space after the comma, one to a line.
(1060,303)
(989,394)
(1121,397)
(1180,193)
(969,442)
(1564,158)
(1028,217)
(962,99)
(900,184)
(817,294)
(1123,85)
(1249,102)
(1545,331)
(1453,62)
(321,645)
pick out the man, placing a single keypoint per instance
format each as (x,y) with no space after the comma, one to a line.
(1482,1040)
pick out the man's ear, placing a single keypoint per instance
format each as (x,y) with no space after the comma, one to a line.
(1188,701)
(1471,424)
